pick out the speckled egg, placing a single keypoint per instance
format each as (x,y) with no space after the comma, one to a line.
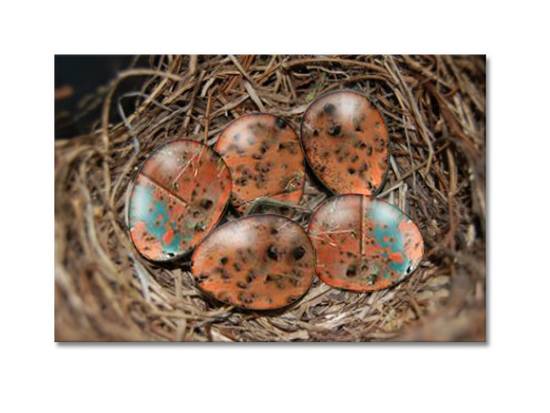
(179,194)
(264,155)
(364,244)
(345,141)
(258,262)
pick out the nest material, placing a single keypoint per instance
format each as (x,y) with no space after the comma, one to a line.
(434,107)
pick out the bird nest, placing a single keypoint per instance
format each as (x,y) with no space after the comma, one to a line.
(434,107)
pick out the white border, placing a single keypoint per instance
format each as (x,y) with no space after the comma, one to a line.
(507,374)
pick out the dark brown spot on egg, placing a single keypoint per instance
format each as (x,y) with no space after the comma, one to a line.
(242,181)
(298,252)
(272,252)
(351,271)
(335,130)
(250,277)
(280,122)
(329,109)
(206,203)
(291,299)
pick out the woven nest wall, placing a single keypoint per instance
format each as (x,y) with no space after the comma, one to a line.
(434,107)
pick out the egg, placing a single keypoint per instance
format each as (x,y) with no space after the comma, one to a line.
(264,155)
(363,244)
(178,196)
(258,262)
(345,141)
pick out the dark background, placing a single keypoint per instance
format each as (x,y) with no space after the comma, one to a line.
(81,82)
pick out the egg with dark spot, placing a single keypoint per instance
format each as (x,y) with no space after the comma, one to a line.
(379,245)
(275,268)
(266,161)
(166,216)
(339,131)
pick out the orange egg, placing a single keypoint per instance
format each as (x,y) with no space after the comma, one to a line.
(258,262)
(265,158)
(345,141)
(179,195)
(364,244)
